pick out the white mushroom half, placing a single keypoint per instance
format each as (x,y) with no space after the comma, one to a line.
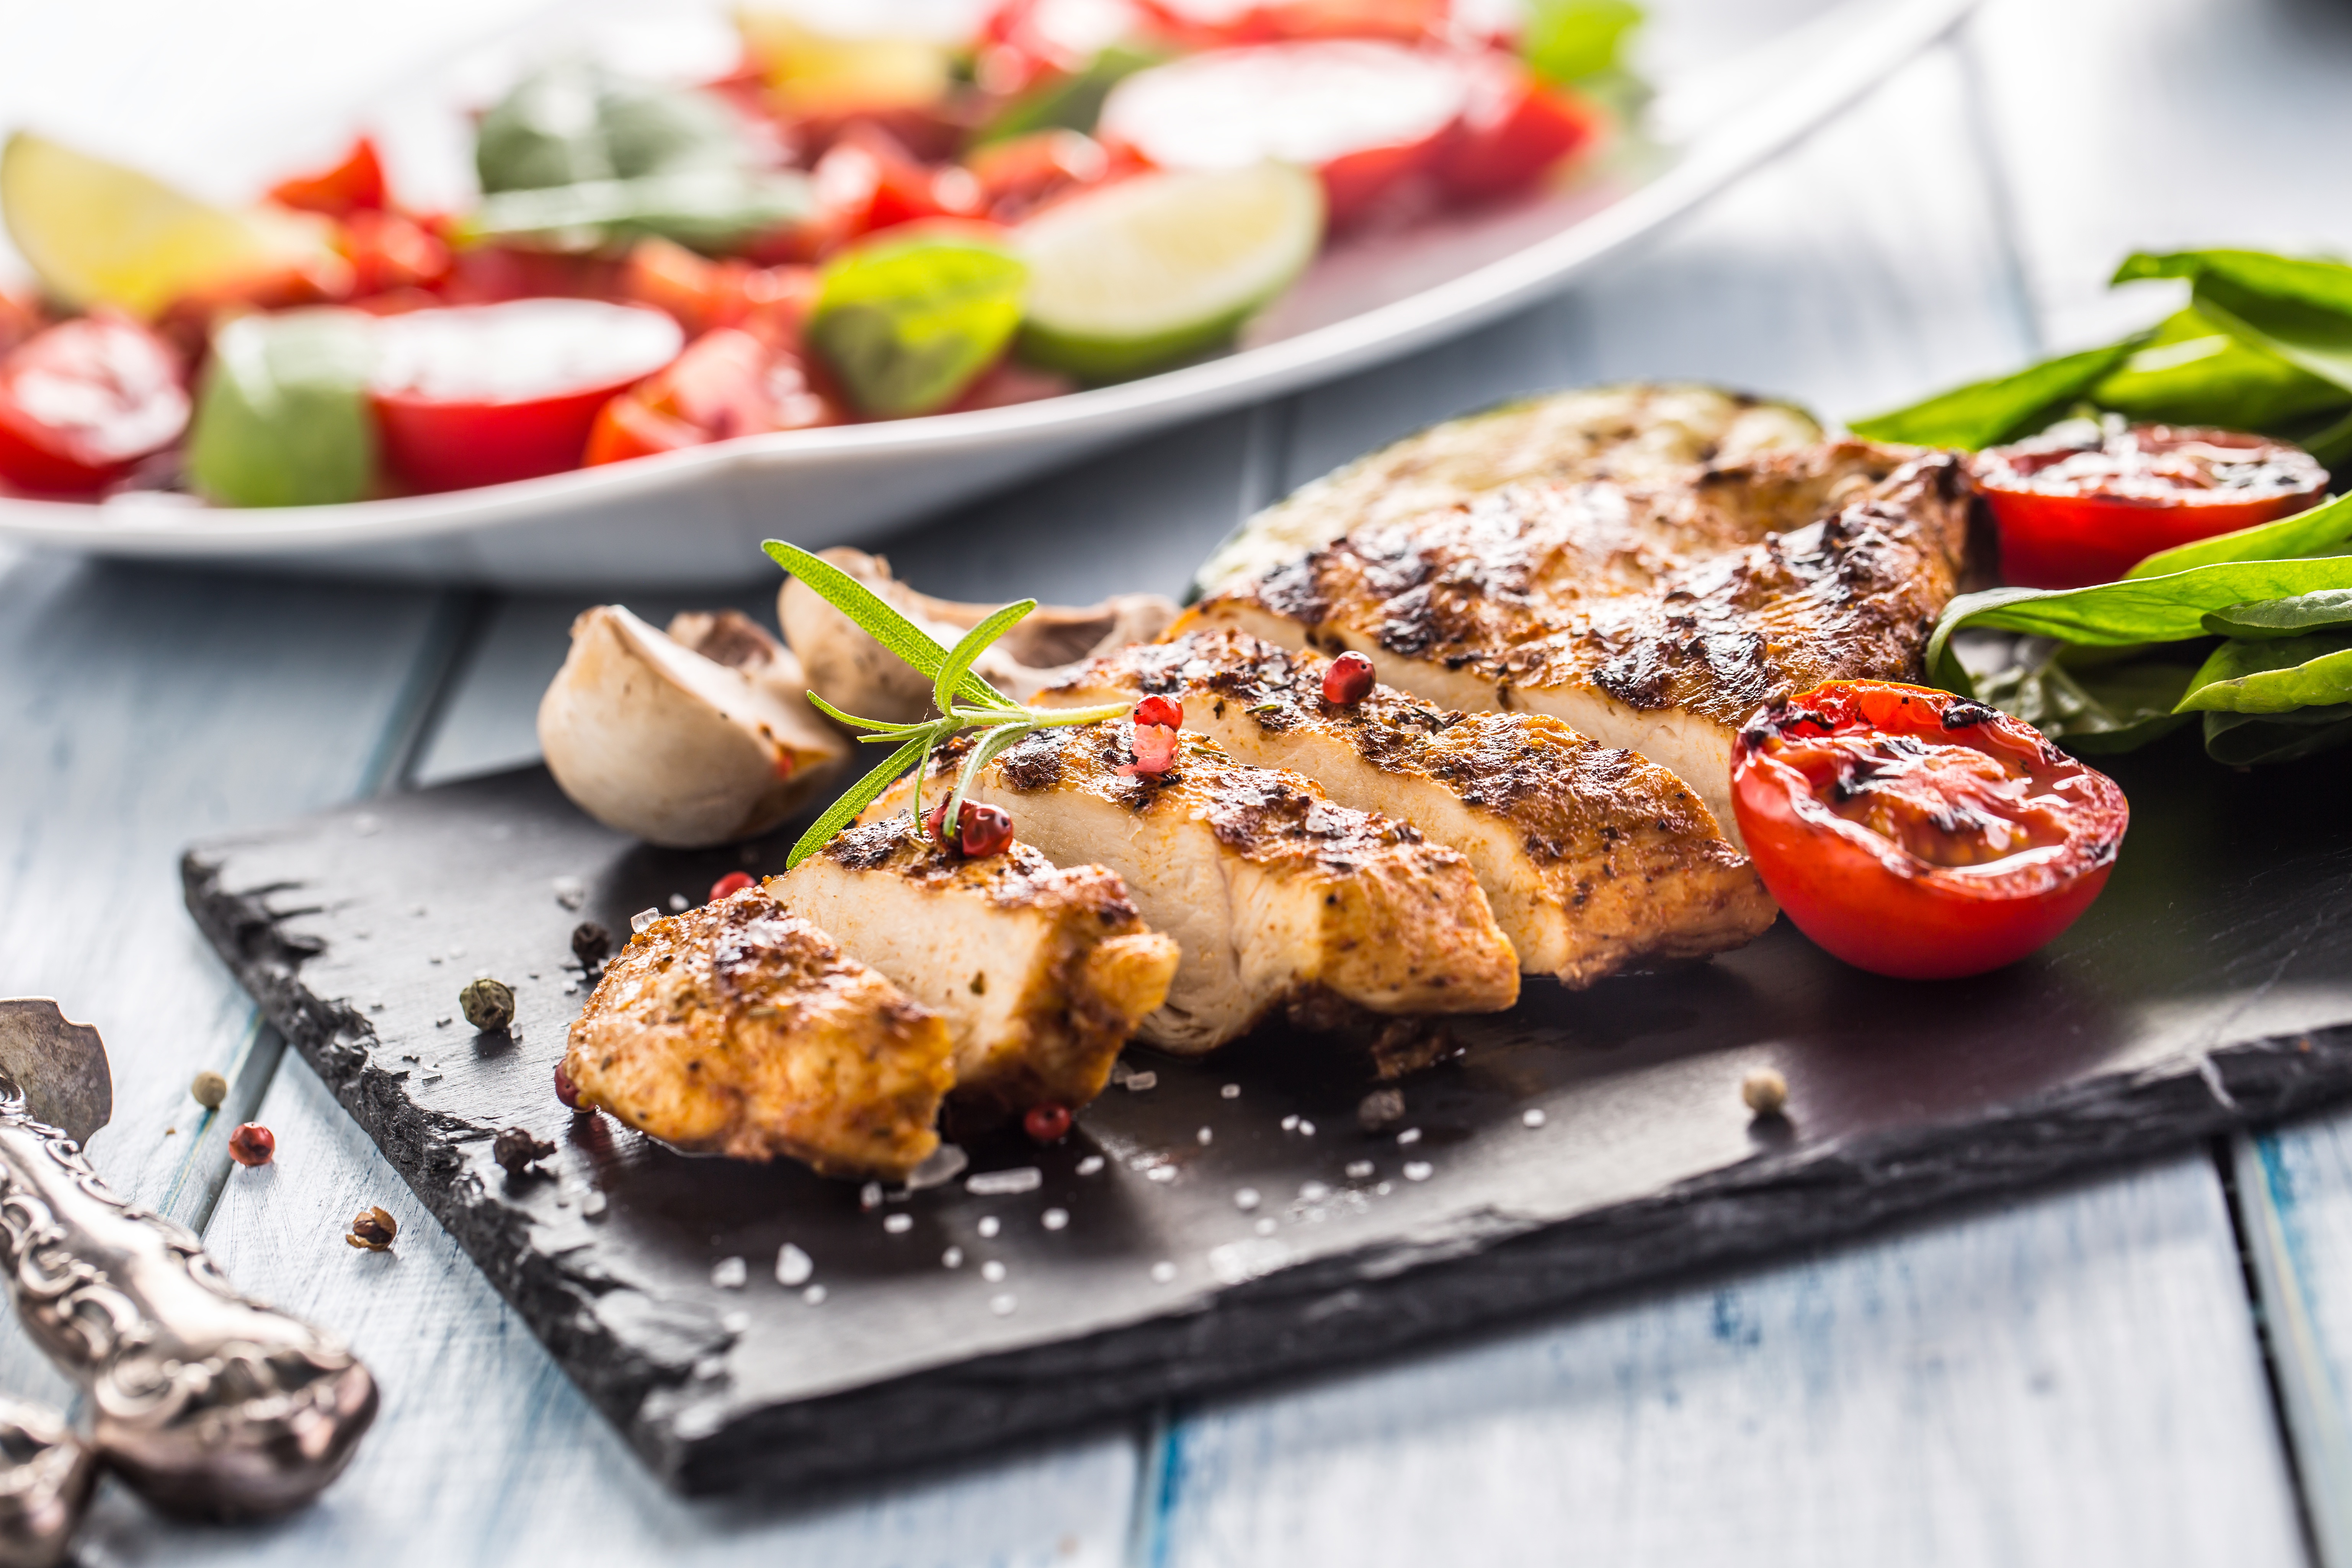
(858,675)
(650,737)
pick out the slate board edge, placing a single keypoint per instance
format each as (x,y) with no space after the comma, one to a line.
(1313,1315)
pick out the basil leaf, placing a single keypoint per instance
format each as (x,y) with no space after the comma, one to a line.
(282,418)
(2320,529)
(2247,739)
(908,320)
(2102,709)
(706,209)
(2193,371)
(2275,675)
(1987,413)
(2137,610)
(573,122)
(2326,610)
(1569,41)
(2299,310)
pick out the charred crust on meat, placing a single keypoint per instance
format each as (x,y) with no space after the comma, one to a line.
(1032,765)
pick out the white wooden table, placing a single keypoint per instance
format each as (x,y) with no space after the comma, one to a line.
(2149,1367)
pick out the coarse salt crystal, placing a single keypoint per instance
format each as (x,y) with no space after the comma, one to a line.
(951,1258)
(1090,1164)
(735,1322)
(1266,1228)
(1231,1091)
(1002,1305)
(1247,1199)
(1409,1137)
(993,1271)
(869,1196)
(1531,1119)
(1313,1192)
(569,891)
(946,1163)
(1290,1122)
(1161,1173)
(1055,1219)
(793,1267)
(594,1204)
(1005,1184)
(1163,1272)
(899,1224)
(813,1295)
(989,1225)
(1140,1081)
(676,903)
(1384,1189)
(642,918)
(1358,1169)
(1206,1135)
(729,1274)
(1306,1128)
(1418,1170)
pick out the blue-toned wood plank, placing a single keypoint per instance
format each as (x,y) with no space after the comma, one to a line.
(143,709)
(2294,1197)
(486,1454)
(2068,1379)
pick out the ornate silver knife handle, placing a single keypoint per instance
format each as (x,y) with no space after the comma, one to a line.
(207,1402)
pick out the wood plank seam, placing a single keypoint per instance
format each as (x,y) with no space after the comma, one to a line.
(2310,1404)
(460,621)
(2233,1203)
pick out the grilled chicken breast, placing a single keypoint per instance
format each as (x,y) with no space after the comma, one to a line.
(1277,896)
(1654,619)
(1041,974)
(737,1028)
(1633,434)
(1592,858)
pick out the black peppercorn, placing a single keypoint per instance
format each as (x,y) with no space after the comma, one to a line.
(590,943)
(374,1229)
(487,1004)
(516,1149)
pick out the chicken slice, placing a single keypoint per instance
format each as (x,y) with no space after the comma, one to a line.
(1655,621)
(1593,859)
(1041,972)
(739,1028)
(1279,897)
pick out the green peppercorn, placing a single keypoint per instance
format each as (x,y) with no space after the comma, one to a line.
(487,1004)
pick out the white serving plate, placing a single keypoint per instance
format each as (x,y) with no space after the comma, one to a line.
(1738,81)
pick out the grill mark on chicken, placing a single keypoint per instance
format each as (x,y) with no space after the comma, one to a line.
(1651,617)
(1592,857)
(1268,887)
(737,1028)
(1042,973)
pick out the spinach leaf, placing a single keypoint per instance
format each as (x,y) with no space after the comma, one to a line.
(2104,707)
(2169,608)
(2193,371)
(2275,675)
(2319,530)
(2328,609)
(2247,739)
(1987,413)
(2300,311)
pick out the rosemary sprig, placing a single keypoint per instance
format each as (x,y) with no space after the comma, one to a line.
(964,700)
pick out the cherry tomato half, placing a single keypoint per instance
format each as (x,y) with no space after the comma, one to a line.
(484,393)
(81,403)
(726,383)
(1364,115)
(1514,127)
(2088,502)
(1918,834)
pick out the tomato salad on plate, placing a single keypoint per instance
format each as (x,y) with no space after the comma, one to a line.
(842,229)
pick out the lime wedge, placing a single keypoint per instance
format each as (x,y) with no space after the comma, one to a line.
(100,233)
(1152,269)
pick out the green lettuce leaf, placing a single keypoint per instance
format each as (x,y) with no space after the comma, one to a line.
(2276,675)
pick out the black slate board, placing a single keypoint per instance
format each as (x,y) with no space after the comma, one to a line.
(2210,987)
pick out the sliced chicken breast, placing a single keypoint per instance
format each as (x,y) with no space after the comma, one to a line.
(1278,897)
(1655,620)
(1041,972)
(1593,859)
(739,1028)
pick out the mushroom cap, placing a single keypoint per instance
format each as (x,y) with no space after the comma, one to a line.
(653,739)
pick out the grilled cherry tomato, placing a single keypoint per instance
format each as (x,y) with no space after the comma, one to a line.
(81,403)
(481,394)
(1211,22)
(354,184)
(1364,115)
(1918,834)
(726,383)
(1514,128)
(2087,502)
